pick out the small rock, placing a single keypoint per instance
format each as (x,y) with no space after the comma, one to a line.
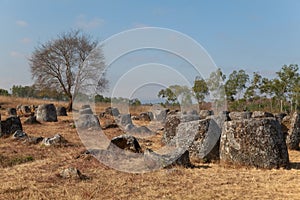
(19,135)
(71,173)
(33,140)
(55,140)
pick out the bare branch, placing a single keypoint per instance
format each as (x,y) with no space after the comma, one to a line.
(69,63)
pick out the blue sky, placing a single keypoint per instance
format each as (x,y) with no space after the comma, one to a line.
(255,35)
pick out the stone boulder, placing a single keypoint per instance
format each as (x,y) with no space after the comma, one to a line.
(293,137)
(160,114)
(125,142)
(85,106)
(46,113)
(86,121)
(140,132)
(256,142)
(112,111)
(171,124)
(31,120)
(285,125)
(194,112)
(201,138)
(86,111)
(23,110)
(109,123)
(129,127)
(261,114)
(279,116)
(61,111)
(56,140)
(173,112)
(144,116)
(205,113)
(155,161)
(124,120)
(33,140)
(10,125)
(240,115)
(134,117)
(11,112)
(224,115)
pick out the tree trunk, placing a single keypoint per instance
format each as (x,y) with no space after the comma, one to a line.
(70,105)
(271,105)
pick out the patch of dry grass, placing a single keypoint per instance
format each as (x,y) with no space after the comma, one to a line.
(38,178)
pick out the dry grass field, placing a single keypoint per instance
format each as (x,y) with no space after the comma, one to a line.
(31,172)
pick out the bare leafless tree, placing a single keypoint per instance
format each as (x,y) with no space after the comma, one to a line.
(68,64)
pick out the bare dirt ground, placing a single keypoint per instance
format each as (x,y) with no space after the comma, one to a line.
(31,172)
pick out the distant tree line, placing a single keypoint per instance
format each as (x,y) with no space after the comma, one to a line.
(242,91)
(132,102)
(35,92)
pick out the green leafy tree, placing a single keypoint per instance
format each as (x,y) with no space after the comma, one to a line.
(235,84)
(296,94)
(253,89)
(24,91)
(183,93)
(169,95)
(176,94)
(284,85)
(216,87)
(4,92)
(200,89)
(135,102)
